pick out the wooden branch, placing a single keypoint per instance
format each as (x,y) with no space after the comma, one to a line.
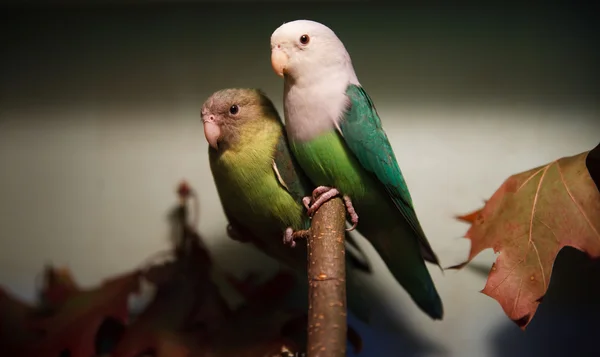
(327,317)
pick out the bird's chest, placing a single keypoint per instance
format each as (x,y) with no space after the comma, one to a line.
(328,162)
(311,114)
(254,196)
(242,183)
(312,111)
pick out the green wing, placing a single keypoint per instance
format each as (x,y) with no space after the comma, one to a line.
(363,134)
(295,181)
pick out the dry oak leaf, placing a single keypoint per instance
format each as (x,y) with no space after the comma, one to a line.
(14,331)
(59,286)
(252,331)
(255,328)
(176,307)
(74,324)
(190,345)
(528,220)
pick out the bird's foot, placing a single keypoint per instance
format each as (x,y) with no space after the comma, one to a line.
(289,237)
(320,195)
(308,200)
(236,235)
(323,194)
(351,212)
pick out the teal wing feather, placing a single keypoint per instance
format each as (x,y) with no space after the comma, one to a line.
(363,134)
(294,180)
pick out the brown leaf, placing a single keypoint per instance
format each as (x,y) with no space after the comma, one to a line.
(246,286)
(469,217)
(14,331)
(259,348)
(185,297)
(528,220)
(59,286)
(253,330)
(74,324)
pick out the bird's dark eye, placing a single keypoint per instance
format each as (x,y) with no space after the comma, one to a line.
(304,39)
(234,109)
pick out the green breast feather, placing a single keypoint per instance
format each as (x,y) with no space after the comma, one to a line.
(249,190)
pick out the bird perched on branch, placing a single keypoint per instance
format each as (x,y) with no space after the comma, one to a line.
(261,186)
(337,138)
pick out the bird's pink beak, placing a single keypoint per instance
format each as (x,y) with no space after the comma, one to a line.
(279,60)
(212,130)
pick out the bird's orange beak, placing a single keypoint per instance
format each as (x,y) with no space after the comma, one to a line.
(279,61)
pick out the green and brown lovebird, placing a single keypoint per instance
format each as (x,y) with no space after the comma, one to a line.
(261,186)
(337,138)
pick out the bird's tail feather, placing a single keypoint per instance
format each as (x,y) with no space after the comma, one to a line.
(400,251)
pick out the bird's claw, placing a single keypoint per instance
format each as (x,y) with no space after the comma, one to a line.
(321,190)
(306,202)
(320,195)
(323,194)
(351,212)
(289,237)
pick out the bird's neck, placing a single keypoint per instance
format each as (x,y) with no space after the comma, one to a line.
(315,103)
(255,140)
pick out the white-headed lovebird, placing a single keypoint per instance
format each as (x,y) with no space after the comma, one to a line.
(336,136)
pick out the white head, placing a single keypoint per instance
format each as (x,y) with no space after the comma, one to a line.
(307,49)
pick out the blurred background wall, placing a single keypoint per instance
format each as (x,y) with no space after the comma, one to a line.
(99,121)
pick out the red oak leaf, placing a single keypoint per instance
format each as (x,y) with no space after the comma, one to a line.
(469,217)
(528,220)
(14,331)
(255,328)
(165,330)
(186,298)
(74,324)
(59,286)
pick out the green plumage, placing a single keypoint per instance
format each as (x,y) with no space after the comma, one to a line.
(248,186)
(261,188)
(253,199)
(359,161)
